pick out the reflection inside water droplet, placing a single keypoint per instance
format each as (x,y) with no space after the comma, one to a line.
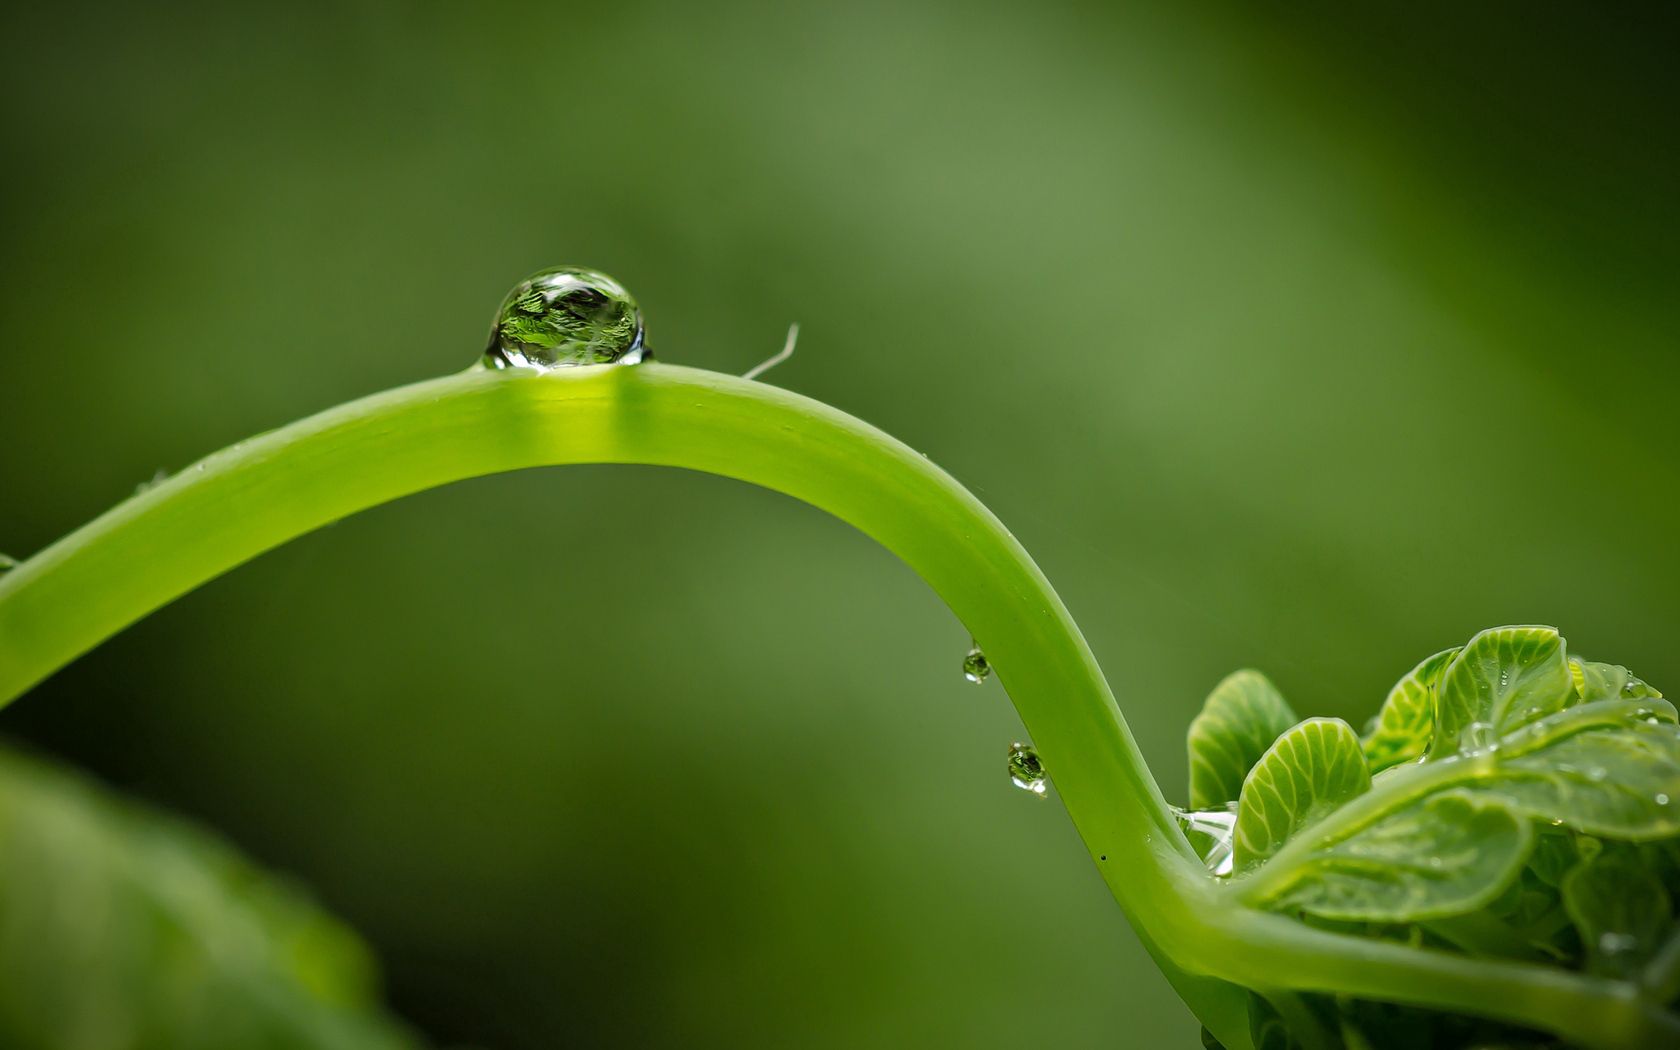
(1212,833)
(563,317)
(975,666)
(1025,770)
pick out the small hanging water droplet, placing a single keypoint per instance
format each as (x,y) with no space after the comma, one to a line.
(1025,770)
(566,316)
(976,668)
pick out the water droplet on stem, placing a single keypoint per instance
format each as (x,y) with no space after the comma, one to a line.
(976,668)
(564,317)
(159,476)
(1025,770)
(1212,833)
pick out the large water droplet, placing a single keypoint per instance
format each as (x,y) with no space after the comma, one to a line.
(566,316)
(1025,770)
(1212,833)
(976,668)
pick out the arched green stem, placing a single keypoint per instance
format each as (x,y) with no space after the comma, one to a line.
(260,493)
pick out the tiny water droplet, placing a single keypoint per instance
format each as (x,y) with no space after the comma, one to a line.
(563,317)
(1504,679)
(1661,799)
(1597,773)
(1617,943)
(1025,770)
(159,476)
(1435,862)
(976,668)
(1480,737)
(7,563)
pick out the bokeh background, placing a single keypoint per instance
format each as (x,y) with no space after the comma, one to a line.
(1309,339)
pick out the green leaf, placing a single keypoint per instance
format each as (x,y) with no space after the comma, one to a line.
(1310,770)
(1556,852)
(1607,682)
(1239,721)
(1621,909)
(1402,728)
(1450,854)
(1621,782)
(1266,1028)
(121,928)
(1504,678)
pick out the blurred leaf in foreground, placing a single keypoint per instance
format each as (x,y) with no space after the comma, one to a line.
(121,929)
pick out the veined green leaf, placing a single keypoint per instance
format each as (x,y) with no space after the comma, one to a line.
(1450,854)
(1310,770)
(1621,909)
(1503,679)
(1621,782)
(1402,728)
(1595,681)
(1239,721)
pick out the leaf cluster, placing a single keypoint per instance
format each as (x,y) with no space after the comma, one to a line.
(1506,801)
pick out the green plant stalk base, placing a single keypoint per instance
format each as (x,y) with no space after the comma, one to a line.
(258,494)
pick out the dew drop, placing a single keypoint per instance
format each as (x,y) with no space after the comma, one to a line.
(1025,770)
(1661,799)
(1480,737)
(976,668)
(1617,943)
(1212,833)
(159,476)
(563,317)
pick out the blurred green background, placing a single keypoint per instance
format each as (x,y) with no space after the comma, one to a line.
(1312,340)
